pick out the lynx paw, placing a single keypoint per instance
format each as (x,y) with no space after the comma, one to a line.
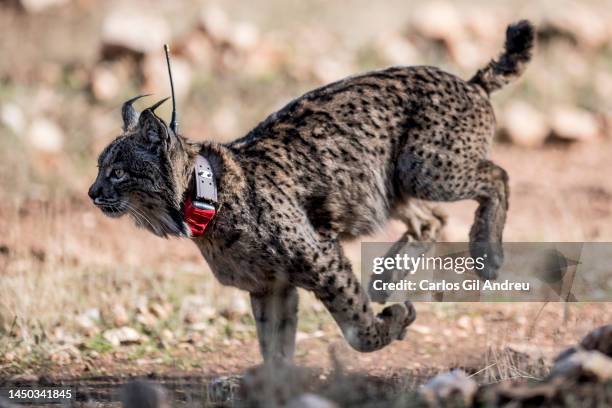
(398,317)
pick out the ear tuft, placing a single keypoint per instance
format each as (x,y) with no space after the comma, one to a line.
(158,104)
(129,114)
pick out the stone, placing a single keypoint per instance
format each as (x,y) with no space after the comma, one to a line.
(134,31)
(197,48)
(195,309)
(584,363)
(36,6)
(215,23)
(45,135)
(524,125)
(445,385)
(123,335)
(574,124)
(599,339)
(237,307)
(120,316)
(12,117)
(105,85)
(244,36)
(438,20)
(86,324)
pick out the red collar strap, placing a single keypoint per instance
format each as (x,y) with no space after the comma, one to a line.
(200,211)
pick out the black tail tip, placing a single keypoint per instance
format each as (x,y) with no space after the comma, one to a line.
(520,38)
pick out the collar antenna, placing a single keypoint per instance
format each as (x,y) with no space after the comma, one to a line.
(173,120)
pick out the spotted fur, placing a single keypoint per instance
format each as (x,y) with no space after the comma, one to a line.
(333,164)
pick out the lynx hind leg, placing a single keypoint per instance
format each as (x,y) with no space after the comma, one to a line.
(337,287)
(275,315)
(424,223)
(480,180)
(486,232)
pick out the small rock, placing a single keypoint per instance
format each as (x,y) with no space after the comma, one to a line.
(60,357)
(45,135)
(244,36)
(9,356)
(13,118)
(195,309)
(309,400)
(120,316)
(574,124)
(215,23)
(197,48)
(439,20)
(86,324)
(159,311)
(93,313)
(104,84)
(465,322)
(142,304)
(524,125)
(445,385)
(27,378)
(167,335)
(88,321)
(35,6)
(133,31)
(146,319)
(237,307)
(599,339)
(199,326)
(585,24)
(123,335)
(584,363)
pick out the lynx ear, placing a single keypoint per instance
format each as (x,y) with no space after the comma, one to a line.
(153,129)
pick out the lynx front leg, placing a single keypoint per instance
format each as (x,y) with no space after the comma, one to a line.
(275,316)
(337,287)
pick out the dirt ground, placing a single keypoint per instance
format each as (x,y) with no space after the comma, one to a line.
(557,193)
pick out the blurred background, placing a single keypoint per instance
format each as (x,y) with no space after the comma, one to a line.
(87,293)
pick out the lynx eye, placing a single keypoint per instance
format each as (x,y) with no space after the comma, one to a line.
(118,174)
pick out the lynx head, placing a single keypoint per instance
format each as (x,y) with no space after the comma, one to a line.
(140,173)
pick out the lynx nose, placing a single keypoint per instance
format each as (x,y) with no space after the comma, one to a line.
(94,191)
